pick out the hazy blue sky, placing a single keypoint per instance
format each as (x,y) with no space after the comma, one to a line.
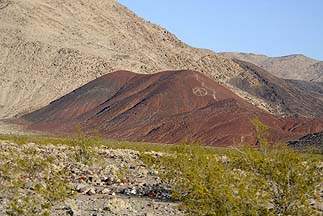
(271,27)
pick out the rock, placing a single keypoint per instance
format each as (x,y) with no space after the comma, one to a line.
(91,192)
(117,205)
(82,178)
(72,211)
(124,181)
(105,191)
(130,191)
(110,180)
(81,188)
(153,173)
(29,185)
(133,191)
(94,179)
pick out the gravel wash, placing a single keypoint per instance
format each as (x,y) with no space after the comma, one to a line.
(114,182)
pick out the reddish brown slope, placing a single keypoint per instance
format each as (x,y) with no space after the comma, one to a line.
(164,107)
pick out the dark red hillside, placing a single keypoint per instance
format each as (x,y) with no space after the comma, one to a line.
(165,107)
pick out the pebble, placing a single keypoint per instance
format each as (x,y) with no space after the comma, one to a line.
(105,191)
(91,192)
(81,188)
(72,212)
(124,181)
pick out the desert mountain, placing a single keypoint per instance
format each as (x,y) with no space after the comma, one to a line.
(49,48)
(165,107)
(297,67)
(294,96)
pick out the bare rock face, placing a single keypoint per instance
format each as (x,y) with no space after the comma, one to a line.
(297,67)
(165,107)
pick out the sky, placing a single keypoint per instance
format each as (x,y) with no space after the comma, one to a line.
(270,27)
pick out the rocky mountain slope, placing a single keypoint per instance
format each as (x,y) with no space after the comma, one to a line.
(298,67)
(165,107)
(49,48)
(294,97)
(314,140)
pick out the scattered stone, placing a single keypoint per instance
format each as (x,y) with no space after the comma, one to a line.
(113,199)
(117,205)
(72,212)
(29,185)
(314,140)
(130,191)
(94,179)
(81,188)
(124,181)
(105,191)
(91,192)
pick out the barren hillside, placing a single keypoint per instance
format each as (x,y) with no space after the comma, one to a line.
(49,48)
(165,107)
(298,67)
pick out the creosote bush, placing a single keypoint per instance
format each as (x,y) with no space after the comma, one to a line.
(31,182)
(269,180)
(245,181)
(84,145)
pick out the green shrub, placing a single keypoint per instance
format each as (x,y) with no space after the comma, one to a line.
(247,181)
(31,182)
(269,180)
(84,152)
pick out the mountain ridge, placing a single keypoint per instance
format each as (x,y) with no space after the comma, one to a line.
(75,42)
(294,66)
(49,48)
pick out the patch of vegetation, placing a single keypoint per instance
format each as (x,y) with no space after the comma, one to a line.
(92,140)
(31,182)
(269,180)
(84,147)
(246,181)
(122,173)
